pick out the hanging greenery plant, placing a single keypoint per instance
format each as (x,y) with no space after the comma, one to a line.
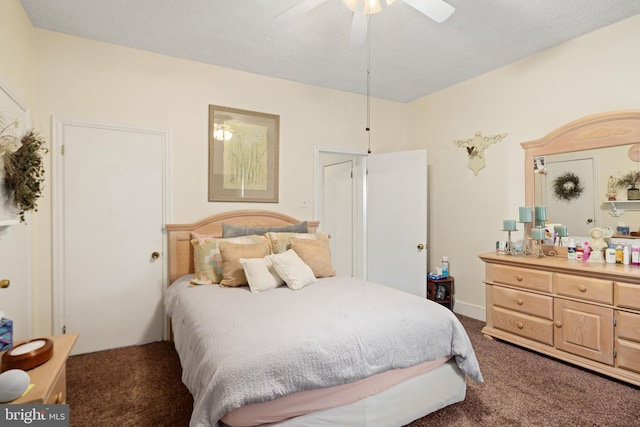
(24,173)
(567,186)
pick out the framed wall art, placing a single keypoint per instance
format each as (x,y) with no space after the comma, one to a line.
(243,155)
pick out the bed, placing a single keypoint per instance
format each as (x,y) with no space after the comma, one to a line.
(338,351)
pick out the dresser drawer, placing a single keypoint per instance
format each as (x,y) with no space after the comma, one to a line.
(627,295)
(585,288)
(628,326)
(523,302)
(522,277)
(628,355)
(534,328)
(58,393)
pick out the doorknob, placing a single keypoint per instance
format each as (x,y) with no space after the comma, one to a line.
(155,255)
(420,246)
(4,283)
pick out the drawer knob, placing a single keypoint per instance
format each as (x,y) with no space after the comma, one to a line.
(519,325)
(519,301)
(582,288)
(519,278)
(558,324)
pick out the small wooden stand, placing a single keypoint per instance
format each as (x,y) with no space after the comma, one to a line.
(448,284)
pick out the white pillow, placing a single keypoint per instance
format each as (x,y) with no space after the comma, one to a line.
(295,273)
(260,274)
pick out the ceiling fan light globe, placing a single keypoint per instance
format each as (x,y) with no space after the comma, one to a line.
(369,7)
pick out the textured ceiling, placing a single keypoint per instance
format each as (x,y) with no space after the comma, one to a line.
(410,56)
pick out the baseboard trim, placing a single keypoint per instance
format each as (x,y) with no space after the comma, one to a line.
(474,311)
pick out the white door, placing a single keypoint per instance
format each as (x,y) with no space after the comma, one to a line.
(112,225)
(397,220)
(562,211)
(15,264)
(338,214)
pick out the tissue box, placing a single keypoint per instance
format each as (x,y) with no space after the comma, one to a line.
(6,334)
(624,231)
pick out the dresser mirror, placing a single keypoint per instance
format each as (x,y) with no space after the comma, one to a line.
(594,148)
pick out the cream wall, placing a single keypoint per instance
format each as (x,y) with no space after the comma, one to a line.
(16,45)
(83,79)
(594,73)
(16,77)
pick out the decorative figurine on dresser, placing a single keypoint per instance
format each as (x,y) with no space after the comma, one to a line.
(584,310)
(597,245)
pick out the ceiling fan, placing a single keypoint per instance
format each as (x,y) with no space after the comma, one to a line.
(438,10)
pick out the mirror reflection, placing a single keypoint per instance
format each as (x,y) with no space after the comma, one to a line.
(576,188)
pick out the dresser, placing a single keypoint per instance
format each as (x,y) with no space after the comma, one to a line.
(583,313)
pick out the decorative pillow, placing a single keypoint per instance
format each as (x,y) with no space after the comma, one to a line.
(232,271)
(295,273)
(280,241)
(260,274)
(207,260)
(316,254)
(229,230)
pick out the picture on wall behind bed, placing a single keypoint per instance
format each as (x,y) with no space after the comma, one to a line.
(243,155)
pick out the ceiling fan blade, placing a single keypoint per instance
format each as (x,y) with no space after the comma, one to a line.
(437,10)
(298,10)
(359,27)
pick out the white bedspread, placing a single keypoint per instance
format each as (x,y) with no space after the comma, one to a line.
(238,347)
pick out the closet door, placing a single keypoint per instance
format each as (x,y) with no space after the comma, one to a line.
(111,236)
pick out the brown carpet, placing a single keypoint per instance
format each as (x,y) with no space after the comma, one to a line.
(140,386)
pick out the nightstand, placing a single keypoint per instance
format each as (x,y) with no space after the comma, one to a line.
(50,378)
(445,296)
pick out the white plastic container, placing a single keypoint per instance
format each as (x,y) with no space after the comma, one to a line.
(610,254)
(445,266)
(571,250)
(626,256)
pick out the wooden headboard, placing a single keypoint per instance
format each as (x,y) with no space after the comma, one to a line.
(181,251)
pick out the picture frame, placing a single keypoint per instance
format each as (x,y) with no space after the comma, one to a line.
(243,155)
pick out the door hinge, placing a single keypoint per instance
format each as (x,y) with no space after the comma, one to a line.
(615,353)
(615,322)
(64,329)
(62,149)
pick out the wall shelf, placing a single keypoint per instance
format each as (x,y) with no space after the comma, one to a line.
(618,207)
(8,222)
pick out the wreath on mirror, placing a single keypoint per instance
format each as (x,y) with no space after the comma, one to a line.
(567,186)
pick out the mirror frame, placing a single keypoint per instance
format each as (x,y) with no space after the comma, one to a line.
(601,130)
